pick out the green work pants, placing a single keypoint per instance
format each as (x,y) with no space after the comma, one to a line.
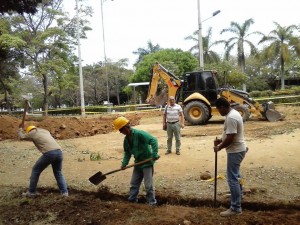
(173,129)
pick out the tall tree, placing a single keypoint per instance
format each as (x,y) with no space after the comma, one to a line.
(282,44)
(119,78)
(142,52)
(49,41)
(240,38)
(209,56)
(95,88)
(10,60)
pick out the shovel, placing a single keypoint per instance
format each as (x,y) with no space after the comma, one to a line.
(98,177)
(216,176)
(26,105)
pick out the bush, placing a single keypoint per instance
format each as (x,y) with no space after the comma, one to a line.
(266,93)
(255,94)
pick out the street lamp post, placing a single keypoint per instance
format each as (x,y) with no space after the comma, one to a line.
(104,51)
(80,64)
(200,39)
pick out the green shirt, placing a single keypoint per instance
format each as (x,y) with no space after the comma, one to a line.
(141,145)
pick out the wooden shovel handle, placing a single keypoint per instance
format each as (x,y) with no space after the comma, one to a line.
(24,112)
(126,167)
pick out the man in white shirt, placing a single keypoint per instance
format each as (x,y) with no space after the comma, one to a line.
(233,140)
(173,119)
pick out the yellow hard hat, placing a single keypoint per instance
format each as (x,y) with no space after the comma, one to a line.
(29,128)
(120,122)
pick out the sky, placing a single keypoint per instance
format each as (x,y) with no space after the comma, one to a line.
(130,24)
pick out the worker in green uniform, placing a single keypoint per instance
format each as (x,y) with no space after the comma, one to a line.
(142,146)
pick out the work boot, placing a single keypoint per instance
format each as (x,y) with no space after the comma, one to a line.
(30,194)
(66,194)
(168,152)
(134,201)
(153,204)
(177,152)
(230,212)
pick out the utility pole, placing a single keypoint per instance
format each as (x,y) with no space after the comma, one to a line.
(104,51)
(200,39)
(80,64)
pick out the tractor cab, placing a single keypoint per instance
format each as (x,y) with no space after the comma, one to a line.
(204,82)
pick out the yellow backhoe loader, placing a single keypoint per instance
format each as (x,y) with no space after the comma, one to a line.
(198,92)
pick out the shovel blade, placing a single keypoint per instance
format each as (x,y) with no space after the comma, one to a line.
(97,178)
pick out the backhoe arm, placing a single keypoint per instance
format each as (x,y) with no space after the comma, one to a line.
(173,83)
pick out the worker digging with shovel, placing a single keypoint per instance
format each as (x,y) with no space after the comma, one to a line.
(142,146)
(234,143)
(51,154)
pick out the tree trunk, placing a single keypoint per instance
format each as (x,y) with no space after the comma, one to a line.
(6,99)
(243,66)
(282,72)
(7,102)
(117,91)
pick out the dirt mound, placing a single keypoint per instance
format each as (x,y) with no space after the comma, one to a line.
(64,127)
(104,207)
(8,127)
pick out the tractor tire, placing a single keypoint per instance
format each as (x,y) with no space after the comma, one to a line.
(196,113)
(243,111)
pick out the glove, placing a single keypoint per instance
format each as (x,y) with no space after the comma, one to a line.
(123,167)
(156,158)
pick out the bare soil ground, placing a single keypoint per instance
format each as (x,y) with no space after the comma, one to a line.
(270,170)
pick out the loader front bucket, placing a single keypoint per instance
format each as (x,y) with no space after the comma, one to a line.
(271,114)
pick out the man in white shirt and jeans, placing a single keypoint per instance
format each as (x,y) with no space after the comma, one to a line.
(174,120)
(233,140)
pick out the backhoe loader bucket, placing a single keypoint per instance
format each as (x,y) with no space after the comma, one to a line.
(271,114)
(161,99)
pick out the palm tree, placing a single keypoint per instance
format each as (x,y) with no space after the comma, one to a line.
(283,45)
(209,56)
(239,41)
(142,52)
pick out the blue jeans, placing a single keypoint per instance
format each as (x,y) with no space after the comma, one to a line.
(173,129)
(55,158)
(233,178)
(137,177)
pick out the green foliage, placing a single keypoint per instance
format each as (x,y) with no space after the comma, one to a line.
(49,37)
(209,56)
(255,94)
(268,93)
(236,79)
(142,52)
(257,83)
(19,6)
(228,75)
(282,46)
(8,41)
(175,60)
(292,91)
(296,90)
(239,40)
(95,156)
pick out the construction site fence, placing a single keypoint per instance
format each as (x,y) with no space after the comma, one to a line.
(94,110)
